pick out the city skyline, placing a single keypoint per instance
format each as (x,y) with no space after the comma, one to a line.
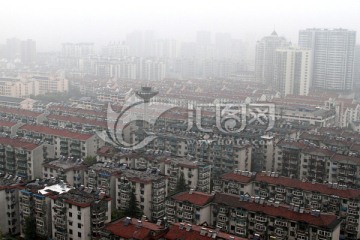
(52,24)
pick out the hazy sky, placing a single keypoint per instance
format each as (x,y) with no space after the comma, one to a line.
(52,22)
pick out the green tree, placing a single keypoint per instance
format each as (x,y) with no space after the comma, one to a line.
(116,214)
(90,160)
(133,209)
(30,228)
(181,185)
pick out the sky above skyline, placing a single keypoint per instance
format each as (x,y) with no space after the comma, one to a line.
(52,22)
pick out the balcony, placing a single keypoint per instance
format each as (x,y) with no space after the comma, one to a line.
(280,223)
(297,193)
(260,227)
(157,215)
(241,214)
(353,205)
(241,223)
(158,199)
(170,211)
(159,185)
(279,197)
(170,204)
(260,218)
(280,190)
(187,208)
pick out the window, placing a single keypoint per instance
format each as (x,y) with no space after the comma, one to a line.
(79,217)
(79,225)
(70,231)
(70,214)
(70,223)
(79,234)
(78,208)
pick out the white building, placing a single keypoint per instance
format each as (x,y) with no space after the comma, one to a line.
(333,56)
(292,71)
(265,56)
(79,214)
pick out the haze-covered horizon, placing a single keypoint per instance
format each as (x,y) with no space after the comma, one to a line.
(51,24)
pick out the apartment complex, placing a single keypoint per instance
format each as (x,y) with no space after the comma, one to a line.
(34,202)
(68,169)
(292,71)
(256,218)
(9,209)
(265,57)
(333,56)
(149,189)
(75,144)
(79,214)
(22,158)
(189,207)
(25,86)
(196,174)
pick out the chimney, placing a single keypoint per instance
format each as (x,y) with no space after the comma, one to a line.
(127,221)
(139,224)
(188,227)
(191,191)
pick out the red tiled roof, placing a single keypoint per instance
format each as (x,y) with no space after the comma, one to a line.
(196,198)
(188,165)
(175,233)
(7,124)
(82,120)
(345,158)
(78,111)
(318,151)
(106,151)
(18,143)
(56,132)
(309,136)
(324,220)
(308,186)
(131,231)
(236,177)
(20,112)
(292,144)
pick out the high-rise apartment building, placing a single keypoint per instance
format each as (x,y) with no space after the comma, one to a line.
(356,77)
(292,71)
(265,57)
(333,57)
(28,51)
(25,51)
(77,49)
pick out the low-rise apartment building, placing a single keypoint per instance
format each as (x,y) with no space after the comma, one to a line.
(67,143)
(149,188)
(79,214)
(23,158)
(189,207)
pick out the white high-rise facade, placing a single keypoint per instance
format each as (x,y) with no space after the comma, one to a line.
(292,70)
(333,57)
(265,56)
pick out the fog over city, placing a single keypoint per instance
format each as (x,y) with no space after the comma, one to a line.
(180,120)
(51,23)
